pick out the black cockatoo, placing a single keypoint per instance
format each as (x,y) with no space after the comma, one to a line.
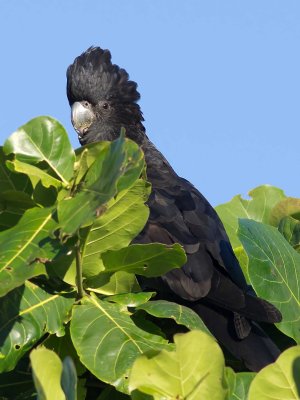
(102,100)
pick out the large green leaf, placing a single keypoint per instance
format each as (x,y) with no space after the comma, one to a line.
(47,369)
(259,208)
(43,143)
(184,373)
(24,246)
(123,219)
(108,341)
(279,380)
(149,260)
(98,186)
(27,313)
(274,271)
(290,228)
(238,384)
(181,314)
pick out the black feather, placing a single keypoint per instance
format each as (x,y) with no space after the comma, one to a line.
(93,77)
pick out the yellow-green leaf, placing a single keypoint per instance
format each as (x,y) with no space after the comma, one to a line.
(47,369)
(194,371)
(280,380)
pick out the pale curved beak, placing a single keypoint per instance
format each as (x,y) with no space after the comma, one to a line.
(82,118)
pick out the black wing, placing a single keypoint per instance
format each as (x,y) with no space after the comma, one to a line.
(179,213)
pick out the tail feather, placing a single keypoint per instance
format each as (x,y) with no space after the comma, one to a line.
(256,350)
(226,294)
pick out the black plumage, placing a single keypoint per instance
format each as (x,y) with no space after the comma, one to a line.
(103,100)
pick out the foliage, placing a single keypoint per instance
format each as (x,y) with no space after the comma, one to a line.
(74,321)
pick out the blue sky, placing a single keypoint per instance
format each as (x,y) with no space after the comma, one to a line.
(219,79)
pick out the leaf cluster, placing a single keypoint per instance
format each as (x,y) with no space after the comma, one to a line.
(74,322)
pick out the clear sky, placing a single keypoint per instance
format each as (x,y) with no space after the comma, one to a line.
(219,79)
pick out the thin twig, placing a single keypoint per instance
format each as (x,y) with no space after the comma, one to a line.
(79,285)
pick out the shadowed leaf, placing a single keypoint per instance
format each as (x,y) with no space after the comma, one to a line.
(274,271)
(290,229)
(238,384)
(287,207)
(27,313)
(23,246)
(181,314)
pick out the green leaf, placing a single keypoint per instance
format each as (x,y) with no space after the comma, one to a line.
(274,271)
(134,161)
(279,380)
(259,208)
(19,200)
(23,246)
(27,313)
(123,219)
(99,186)
(53,379)
(131,299)
(113,283)
(137,395)
(108,341)
(36,174)
(243,261)
(12,206)
(149,260)
(184,373)
(75,212)
(47,369)
(81,389)
(10,181)
(287,207)
(19,381)
(15,192)
(43,143)
(91,157)
(63,347)
(47,197)
(182,315)
(69,379)
(238,384)
(290,228)
(134,166)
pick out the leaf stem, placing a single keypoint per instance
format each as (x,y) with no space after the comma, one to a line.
(79,284)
